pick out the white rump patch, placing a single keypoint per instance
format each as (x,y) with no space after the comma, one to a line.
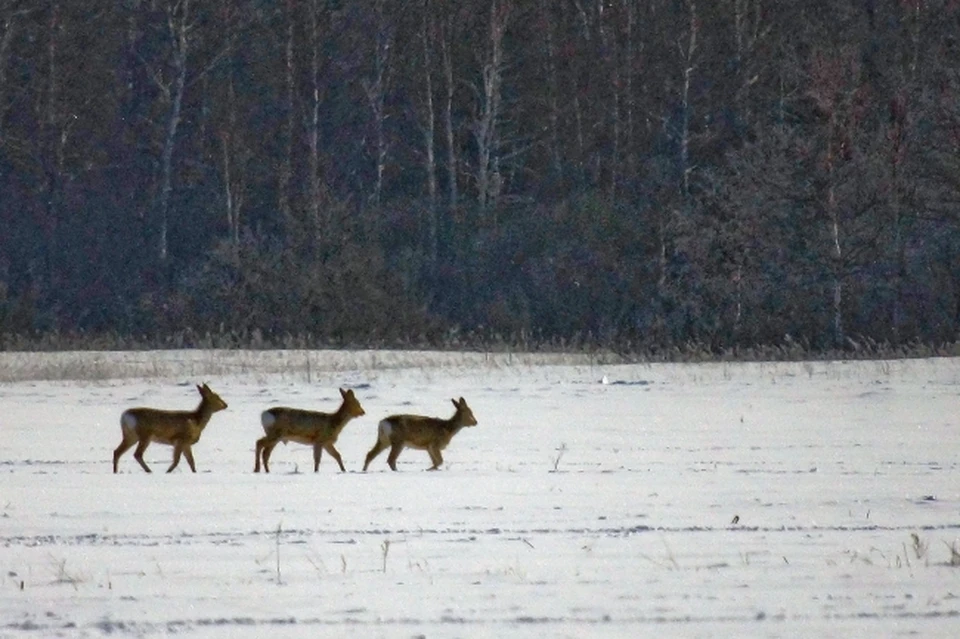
(386,429)
(267,419)
(128,421)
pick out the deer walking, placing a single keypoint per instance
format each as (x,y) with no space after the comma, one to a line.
(180,429)
(416,431)
(312,428)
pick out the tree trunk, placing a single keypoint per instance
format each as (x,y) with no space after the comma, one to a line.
(833,215)
(229,139)
(609,44)
(6,37)
(376,90)
(688,68)
(429,135)
(233,222)
(178,26)
(445,42)
(487,119)
(53,138)
(628,89)
(285,173)
(553,91)
(313,133)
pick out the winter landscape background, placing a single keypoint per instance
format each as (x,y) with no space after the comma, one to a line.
(763,499)
(641,175)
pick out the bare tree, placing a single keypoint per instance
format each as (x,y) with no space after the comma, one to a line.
(446,44)
(608,42)
(429,131)
(835,89)
(629,62)
(376,89)
(749,30)
(179,27)
(234,153)
(899,137)
(315,178)
(487,119)
(285,172)
(552,88)
(688,52)
(9,16)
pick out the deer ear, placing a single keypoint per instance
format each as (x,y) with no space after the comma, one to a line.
(344,393)
(455,403)
(200,389)
(463,402)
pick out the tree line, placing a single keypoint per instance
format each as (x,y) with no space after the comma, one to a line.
(639,173)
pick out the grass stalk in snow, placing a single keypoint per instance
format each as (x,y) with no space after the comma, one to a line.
(62,575)
(919,546)
(279,528)
(560,451)
(385,547)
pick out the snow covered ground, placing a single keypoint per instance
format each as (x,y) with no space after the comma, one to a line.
(771,500)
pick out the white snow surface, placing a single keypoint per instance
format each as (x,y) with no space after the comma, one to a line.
(815,499)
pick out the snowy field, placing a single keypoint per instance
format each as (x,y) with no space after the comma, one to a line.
(757,500)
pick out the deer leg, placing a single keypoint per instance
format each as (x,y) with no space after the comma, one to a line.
(124,446)
(267,450)
(317,452)
(188,453)
(394,453)
(376,450)
(336,456)
(435,457)
(138,453)
(177,451)
(260,444)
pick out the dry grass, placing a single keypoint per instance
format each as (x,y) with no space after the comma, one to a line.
(296,364)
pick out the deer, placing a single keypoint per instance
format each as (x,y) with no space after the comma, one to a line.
(180,429)
(313,428)
(417,431)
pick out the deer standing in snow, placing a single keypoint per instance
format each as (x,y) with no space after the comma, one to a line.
(180,429)
(312,428)
(416,431)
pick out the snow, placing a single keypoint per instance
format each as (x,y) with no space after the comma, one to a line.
(766,499)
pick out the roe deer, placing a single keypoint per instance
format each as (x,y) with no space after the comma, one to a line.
(426,433)
(180,429)
(312,428)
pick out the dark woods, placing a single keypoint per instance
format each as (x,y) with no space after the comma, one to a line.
(642,174)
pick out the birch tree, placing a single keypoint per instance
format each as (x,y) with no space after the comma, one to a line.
(447,35)
(315,178)
(835,89)
(429,126)
(285,170)
(179,27)
(234,151)
(376,89)
(487,118)
(688,50)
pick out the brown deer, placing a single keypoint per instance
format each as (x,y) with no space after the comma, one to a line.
(312,428)
(426,433)
(180,429)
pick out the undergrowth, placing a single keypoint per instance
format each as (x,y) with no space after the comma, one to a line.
(611,350)
(78,357)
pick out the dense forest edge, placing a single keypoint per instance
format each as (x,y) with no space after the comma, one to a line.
(654,179)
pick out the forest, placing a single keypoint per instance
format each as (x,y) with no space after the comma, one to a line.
(643,175)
